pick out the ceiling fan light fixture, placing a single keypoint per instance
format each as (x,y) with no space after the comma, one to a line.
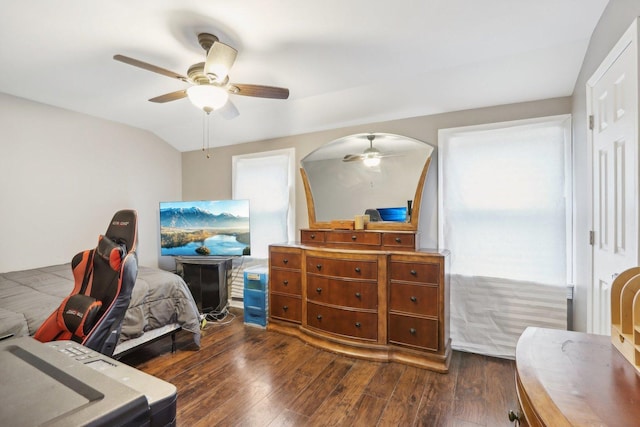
(207,97)
(371,158)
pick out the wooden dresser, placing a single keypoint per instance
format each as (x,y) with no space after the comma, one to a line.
(368,294)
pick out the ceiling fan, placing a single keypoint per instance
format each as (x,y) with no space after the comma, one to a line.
(210,86)
(370,157)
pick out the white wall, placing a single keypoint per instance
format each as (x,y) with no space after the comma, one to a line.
(204,178)
(65,174)
(615,20)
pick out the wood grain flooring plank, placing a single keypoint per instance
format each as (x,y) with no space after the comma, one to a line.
(366,412)
(470,402)
(437,401)
(384,381)
(345,395)
(321,387)
(501,385)
(404,403)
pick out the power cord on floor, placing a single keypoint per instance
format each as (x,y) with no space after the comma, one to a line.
(217,317)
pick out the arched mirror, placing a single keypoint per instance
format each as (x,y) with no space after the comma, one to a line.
(380,172)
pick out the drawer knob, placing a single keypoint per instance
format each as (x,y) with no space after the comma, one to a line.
(319,266)
(319,290)
(285,261)
(285,307)
(358,295)
(319,317)
(413,272)
(313,236)
(358,324)
(285,282)
(413,299)
(354,237)
(398,240)
(412,331)
(514,416)
(357,269)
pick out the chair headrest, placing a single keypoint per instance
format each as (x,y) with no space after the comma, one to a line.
(111,252)
(123,229)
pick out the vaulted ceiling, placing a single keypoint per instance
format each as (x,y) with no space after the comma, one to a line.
(344,62)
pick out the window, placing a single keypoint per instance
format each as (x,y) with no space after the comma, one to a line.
(505,215)
(267,180)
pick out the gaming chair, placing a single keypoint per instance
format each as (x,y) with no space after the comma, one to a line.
(104,278)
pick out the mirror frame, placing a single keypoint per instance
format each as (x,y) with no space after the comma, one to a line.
(373,225)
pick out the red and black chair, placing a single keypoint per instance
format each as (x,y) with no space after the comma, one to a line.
(104,278)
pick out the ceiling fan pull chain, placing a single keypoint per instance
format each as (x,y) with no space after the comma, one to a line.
(208,135)
(205,133)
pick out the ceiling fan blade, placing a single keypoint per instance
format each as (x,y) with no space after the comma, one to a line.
(149,67)
(229,111)
(259,91)
(220,59)
(352,158)
(172,96)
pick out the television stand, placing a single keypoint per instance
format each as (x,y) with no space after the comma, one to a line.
(207,279)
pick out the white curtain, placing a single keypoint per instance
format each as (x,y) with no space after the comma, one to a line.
(505,216)
(266,179)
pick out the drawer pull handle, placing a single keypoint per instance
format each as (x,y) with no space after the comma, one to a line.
(354,237)
(285,307)
(413,272)
(413,299)
(358,324)
(319,266)
(319,317)
(313,236)
(398,240)
(412,331)
(318,290)
(285,261)
(514,416)
(358,295)
(285,282)
(357,269)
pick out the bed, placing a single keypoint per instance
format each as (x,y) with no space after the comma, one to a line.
(161,304)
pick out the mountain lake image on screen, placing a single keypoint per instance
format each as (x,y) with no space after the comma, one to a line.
(205,228)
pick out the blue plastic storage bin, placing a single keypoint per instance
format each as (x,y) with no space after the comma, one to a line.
(255,295)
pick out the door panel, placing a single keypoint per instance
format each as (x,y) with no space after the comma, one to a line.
(615,176)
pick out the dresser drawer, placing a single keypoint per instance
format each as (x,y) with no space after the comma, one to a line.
(285,259)
(400,241)
(312,236)
(285,308)
(353,269)
(352,324)
(354,237)
(344,293)
(415,272)
(413,331)
(418,299)
(286,281)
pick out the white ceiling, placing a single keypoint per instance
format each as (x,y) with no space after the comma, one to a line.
(345,62)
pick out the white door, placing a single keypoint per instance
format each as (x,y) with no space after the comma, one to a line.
(614,107)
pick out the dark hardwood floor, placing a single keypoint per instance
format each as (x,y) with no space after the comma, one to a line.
(246,376)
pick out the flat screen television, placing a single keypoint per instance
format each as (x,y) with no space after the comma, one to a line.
(205,228)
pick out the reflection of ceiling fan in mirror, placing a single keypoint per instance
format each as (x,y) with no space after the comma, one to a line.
(369,157)
(210,86)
